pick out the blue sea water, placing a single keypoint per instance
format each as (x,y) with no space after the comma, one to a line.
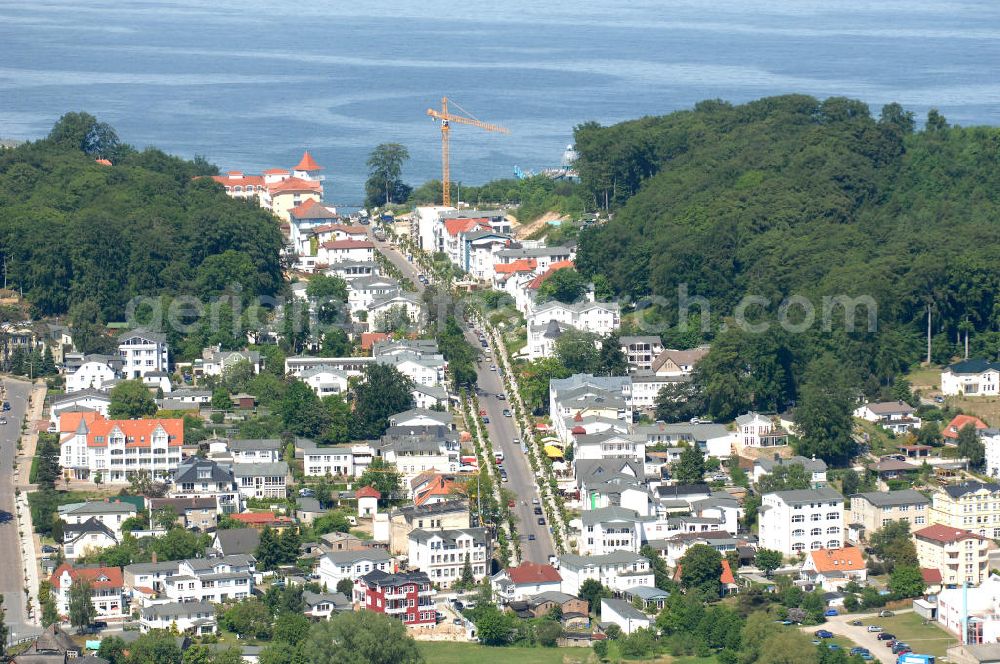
(250,83)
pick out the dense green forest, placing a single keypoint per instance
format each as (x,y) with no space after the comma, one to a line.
(794,196)
(75,231)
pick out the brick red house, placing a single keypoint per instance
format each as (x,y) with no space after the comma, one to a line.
(406,596)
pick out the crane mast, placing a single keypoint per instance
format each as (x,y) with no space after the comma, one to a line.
(446,118)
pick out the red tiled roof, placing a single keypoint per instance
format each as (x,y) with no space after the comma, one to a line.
(439,486)
(348,244)
(311,209)
(555,267)
(343,228)
(261,518)
(727,573)
(138,433)
(930,575)
(959,422)
(100,578)
(277,171)
(529,572)
(307,163)
(239,180)
(369,339)
(103,162)
(520,265)
(836,560)
(455,226)
(367,492)
(945,534)
(295,184)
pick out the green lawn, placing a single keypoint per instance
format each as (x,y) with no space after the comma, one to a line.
(925,639)
(449,652)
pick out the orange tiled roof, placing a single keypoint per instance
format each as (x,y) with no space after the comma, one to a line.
(439,486)
(305,208)
(307,163)
(69,422)
(103,162)
(455,226)
(100,578)
(367,492)
(238,179)
(836,560)
(137,433)
(277,171)
(727,573)
(959,422)
(261,518)
(945,534)
(343,228)
(555,267)
(369,339)
(295,184)
(529,572)
(520,265)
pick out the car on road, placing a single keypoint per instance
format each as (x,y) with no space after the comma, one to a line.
(3,420)
(534,501)
(493,367)
(457,621)
(531,537)
(886,614)
(830,613)
(885,636)
(6,405)
(855,623)
(938,399)
(538,510)
(874,628)
(511,503)
(824,634)
(541,521)
(486,420)
(502,396)
(506,412)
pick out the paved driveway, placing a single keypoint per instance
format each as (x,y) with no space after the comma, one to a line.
(859,635)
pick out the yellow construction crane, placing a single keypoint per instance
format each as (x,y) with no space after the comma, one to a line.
(446,119)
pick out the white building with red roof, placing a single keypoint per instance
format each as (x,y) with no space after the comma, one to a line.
(306,218)
(115,450)
(106,583)
(527,579)
(277,189)
(832,569)
(368,497)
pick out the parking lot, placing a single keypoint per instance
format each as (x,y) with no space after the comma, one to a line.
(905,625)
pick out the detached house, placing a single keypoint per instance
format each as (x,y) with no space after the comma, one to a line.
(756,430)
(832,569)
(195,617)
(106,583)
(971,378)
(213,580)
(336,566)
(261,480)
(143,352)
(443,553)
(204,478)
(408,596)
(896,416)
(524,581)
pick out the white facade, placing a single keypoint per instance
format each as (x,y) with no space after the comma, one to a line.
(90,375)
(427,370)
(983,605)
(624,615)
(600,318)
(441,554)
(111,514)
(618,571)
(991,442)
(194,617)
(114,450)
(800,521)
(971,378)
(756,430)
(610,529)
(143,352)
(106,588)
(609,445)
(345,460)
(261,480)
(214,580)
(336,566)
(325,382)
(339,251)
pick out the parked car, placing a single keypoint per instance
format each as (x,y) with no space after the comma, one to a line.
(899,647)
(531,537)
(48,548)
(506,412)
(885,636)
(486,420)
(938,399)
(885,614)
(306,493)
(502,396)
(830,613)
(824,634)
(3,420)
(874,628)
(855,623)
(493,367)
(541,521)
(538,510)
(534,501)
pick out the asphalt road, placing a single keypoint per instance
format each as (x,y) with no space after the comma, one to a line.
(11,581)
(502,432)
(521,481)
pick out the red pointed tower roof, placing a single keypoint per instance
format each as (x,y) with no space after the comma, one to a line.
(307,163)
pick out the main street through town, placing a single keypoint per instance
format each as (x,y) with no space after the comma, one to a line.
(11,578)
(536,540)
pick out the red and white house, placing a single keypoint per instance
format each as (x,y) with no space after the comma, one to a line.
(106,583)
(90,445)
(407,596)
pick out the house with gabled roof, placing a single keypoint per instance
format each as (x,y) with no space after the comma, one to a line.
(971,378)
(525,580)
(106,583)
(93,447)
(832,569)
(896,416)
(959,422)
(304,219)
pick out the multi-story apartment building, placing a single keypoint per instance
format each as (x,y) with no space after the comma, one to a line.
(961,556)
(143,352)
(192,617)
(261,480)
(971,505)
(345,460)
(407,596)
(214,580)
(145,577)
(446,515)
(106,585)
(815,469)
(609,445)
(802,520)
(113,451)
(442,554)
(416,450)
(610,529)
(260,450)
(619,571)
(600,318)
(641,351)
(336,566)
(204,478)
(877,509)
(971,378)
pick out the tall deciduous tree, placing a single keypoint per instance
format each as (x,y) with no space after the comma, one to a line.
(565,285)
(701,570)
(360,637)
(82,611)
(970,446)
(768,560)
(824,415)
(383,392)
(385,170)
(130,399)
(690,468)
(381,475)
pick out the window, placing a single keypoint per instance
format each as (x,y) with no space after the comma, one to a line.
(816,546)
(833,530)
(798,532)
(816,531)
(833,544)
(798,518)
(832,516)
(815,517)
(798,546)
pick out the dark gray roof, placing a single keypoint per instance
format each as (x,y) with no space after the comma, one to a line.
(178,608)
(893,498)
(384,579)
(158,337)
(811,465)
(339,600)
(101,507)
(255,444)
(624,609)
(238,540)
(189,471)
(373,554)
(958,490)
(72,531)
(478,535)
(309,505)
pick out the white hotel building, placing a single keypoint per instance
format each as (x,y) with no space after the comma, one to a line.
(802,520)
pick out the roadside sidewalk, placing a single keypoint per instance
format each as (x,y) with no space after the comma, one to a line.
(29,542)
